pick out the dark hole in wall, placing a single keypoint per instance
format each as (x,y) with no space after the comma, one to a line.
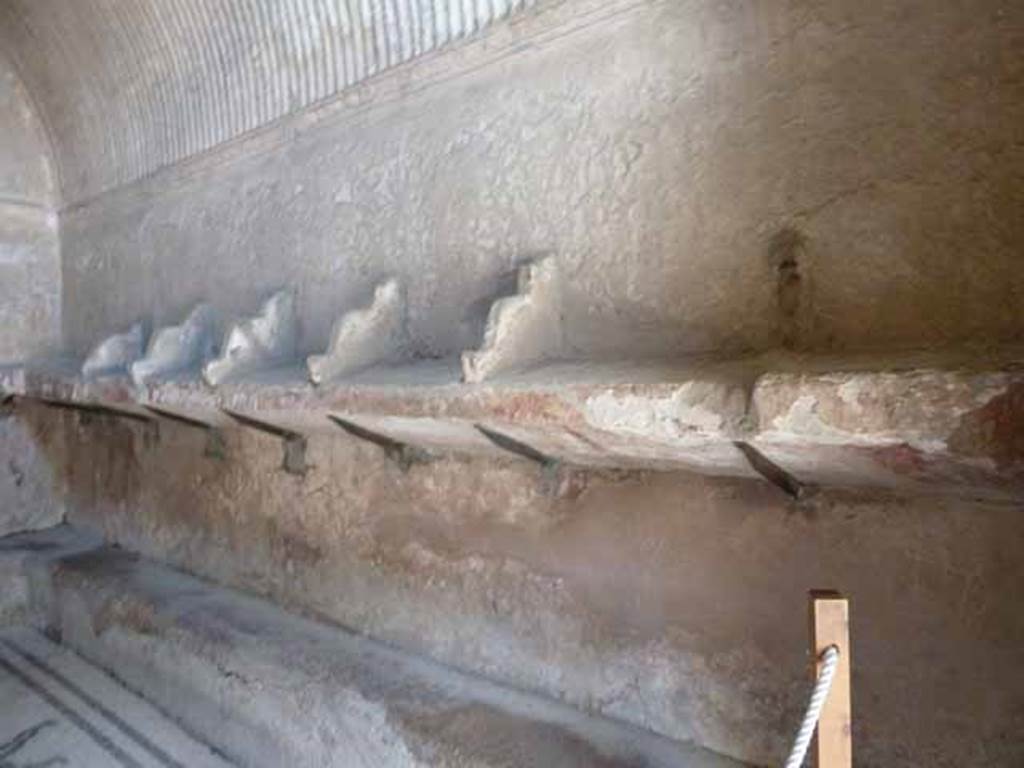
(786,253)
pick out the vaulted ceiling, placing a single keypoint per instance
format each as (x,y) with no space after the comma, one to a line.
(126,87)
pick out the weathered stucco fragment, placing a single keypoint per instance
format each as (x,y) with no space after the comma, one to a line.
(364,337)
(523,329)
(263,341)
(178,348)
(115,354)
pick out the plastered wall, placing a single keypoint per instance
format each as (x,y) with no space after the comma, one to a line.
(30,295)
(668,600)
(29,255)
(710,176)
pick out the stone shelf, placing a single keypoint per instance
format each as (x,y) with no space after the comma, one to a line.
(919,422)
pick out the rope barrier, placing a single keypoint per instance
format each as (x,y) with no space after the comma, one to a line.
(829,662)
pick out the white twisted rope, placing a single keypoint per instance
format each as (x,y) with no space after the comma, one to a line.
(829,662)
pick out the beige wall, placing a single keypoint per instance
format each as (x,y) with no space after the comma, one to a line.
(30,295)
(668,600)
(710,176)
(670,155)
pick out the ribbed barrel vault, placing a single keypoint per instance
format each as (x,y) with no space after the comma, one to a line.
(129,86)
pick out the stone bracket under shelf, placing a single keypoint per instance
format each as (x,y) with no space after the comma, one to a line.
(293,444)
(931,426)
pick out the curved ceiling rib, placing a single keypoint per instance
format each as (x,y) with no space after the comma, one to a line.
(130,86)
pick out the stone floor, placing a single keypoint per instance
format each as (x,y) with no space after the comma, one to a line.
(264,687)
(58,709)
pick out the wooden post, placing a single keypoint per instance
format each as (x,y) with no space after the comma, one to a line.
(830,625)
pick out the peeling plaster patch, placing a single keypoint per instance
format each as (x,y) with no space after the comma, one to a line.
(804,421)
(997,386)
(849,393)
(696,408)
(919,409)
(803,418)
(992,432)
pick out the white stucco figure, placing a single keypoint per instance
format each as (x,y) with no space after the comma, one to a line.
(364,336)
(523,329)
(264,341)
(178,347)
(116,353)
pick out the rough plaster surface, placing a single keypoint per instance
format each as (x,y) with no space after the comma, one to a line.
(670,601)
(934,422)
(30,281)
(710,177)
(363,337)
(29,495)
